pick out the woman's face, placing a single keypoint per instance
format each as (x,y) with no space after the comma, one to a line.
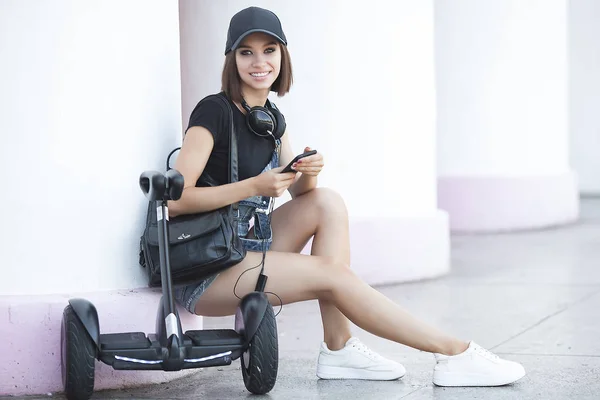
(258,60)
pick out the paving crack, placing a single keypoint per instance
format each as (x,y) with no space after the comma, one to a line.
(414,391)
(584,298)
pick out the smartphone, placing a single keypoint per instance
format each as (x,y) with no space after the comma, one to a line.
(288,168)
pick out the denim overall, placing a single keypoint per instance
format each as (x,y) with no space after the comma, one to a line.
(256,207)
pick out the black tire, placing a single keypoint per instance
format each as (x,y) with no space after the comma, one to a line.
(260,361)
(78,353)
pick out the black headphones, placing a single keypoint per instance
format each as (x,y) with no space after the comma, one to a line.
(265,121)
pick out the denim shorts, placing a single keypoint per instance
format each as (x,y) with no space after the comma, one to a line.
(254,209)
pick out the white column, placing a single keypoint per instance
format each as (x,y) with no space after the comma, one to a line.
(364,96)
(503,146)
(90,98)
(382,123)
(584,84)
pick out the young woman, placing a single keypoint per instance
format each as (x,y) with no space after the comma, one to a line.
(256,63)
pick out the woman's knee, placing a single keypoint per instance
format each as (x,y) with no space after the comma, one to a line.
(337,274)
(328,201)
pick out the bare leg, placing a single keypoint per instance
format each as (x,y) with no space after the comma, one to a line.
(297,277)
(322,213)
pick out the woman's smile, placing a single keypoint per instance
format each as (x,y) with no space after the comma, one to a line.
(260,76)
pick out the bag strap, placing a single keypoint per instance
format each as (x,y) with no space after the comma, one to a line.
(169,157)
(233,148)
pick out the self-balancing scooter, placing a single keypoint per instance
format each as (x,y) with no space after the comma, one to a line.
(253,339)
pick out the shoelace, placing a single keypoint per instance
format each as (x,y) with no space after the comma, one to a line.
(364,349)
(487,354)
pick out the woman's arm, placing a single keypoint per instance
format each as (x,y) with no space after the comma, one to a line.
(305,183)
(191,161)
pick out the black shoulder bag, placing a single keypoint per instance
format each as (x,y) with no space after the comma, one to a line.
(200,245)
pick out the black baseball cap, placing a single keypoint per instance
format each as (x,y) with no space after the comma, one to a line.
(250,20)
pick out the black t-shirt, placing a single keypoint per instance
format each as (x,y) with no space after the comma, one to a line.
(254,152)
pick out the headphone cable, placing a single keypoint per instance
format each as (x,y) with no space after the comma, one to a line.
(264,249)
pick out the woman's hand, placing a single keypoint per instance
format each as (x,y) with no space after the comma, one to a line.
(310,165)
(273,183)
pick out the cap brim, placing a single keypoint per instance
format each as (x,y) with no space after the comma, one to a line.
(243,36)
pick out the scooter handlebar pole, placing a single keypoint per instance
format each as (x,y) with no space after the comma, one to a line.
(162,212)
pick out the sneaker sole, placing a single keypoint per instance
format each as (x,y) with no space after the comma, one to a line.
(329,372)
(455,379)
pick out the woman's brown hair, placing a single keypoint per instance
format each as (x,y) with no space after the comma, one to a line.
(232,86)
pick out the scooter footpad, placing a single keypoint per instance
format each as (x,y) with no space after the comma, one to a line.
(215,337)
(129,340)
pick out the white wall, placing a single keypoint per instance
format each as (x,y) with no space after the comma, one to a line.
(584,80)
(90,98)
(383,107)
(502,87)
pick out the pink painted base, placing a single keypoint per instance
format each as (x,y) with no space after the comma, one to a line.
(30,339)
(491,204)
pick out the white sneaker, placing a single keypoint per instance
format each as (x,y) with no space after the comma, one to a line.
(356,361)
(476,366)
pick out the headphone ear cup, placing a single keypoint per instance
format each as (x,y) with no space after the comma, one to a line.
(279,123)
(260,119)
